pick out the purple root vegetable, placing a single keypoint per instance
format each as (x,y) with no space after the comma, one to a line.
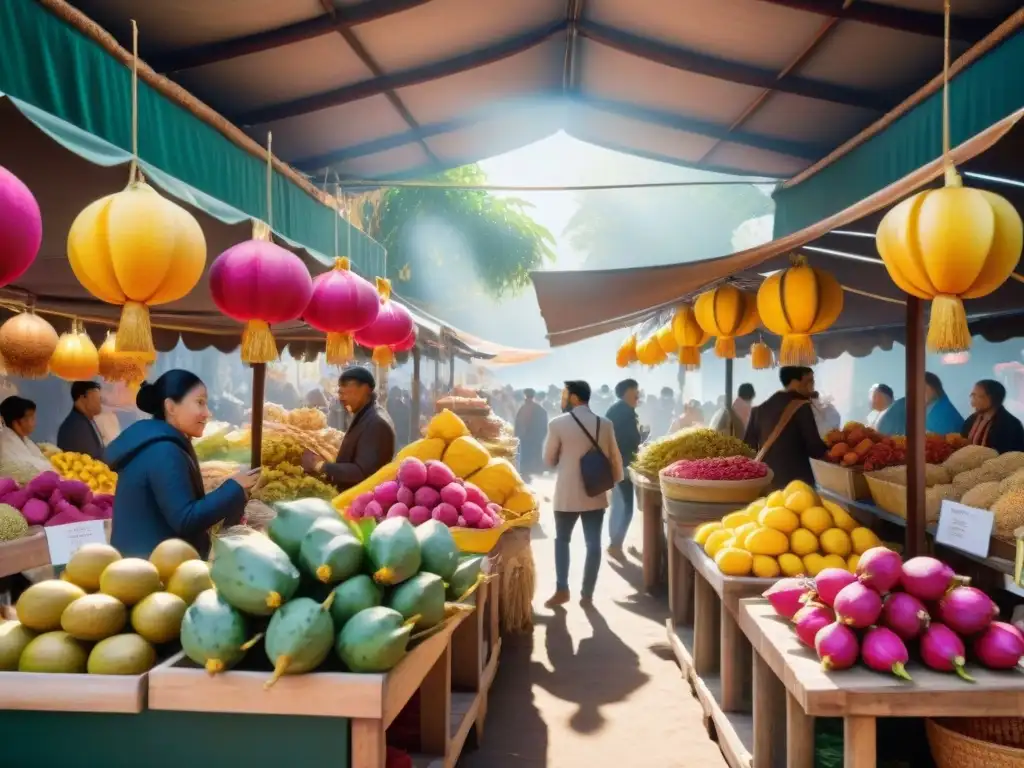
(857,605)
(487,522)
(7,485)
(419,514)
(357,508)
(881,569)
(883,651)
(475,495)
(786,595)
(943,650)
(407,496)
(427,497)
(829,582)
(35,511)
(810,620)
(905,615)
(929,579)
(412,473)
(446,513)
(386,494)
(439,474)
(837,647)
(967,610)
(462,523)
(472,513)
(398,509)
(1000,647)
(454,494)
(374,509)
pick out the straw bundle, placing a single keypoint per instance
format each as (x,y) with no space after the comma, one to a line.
(518,581)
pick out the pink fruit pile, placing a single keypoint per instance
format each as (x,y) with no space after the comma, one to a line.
(428,491)
(889,608)
(48,499)
(718,468)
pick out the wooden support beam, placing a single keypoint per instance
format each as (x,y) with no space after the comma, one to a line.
(259,388)
(573,14)
(915,543)
(225,50)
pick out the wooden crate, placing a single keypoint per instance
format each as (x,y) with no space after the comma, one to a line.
(25,553)
(843,481)
(71,693)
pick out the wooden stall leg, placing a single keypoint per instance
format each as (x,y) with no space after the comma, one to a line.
(705,627)
(735,665)
(369,749)
(435,707)
(680,583)
(799,735)
(467,647)
(859,739)
(652,542)
(769,717)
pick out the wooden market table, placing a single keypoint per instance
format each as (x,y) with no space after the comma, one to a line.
(791,689)
(712,652)
(648,500)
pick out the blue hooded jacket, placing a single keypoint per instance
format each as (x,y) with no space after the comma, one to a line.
(941,417)
(160,491)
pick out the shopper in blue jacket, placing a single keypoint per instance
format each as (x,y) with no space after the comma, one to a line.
(159,486)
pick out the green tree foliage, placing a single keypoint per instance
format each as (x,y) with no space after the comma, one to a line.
(664,225)
(434,235)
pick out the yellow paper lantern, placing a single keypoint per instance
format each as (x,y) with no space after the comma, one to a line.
(649,352)
(27,343)
(626,353)
(726,312)
(75,358)
(761,357)
(689,336)
(125,367)
(950,244)
(795,303)
(667,339)
(136,249)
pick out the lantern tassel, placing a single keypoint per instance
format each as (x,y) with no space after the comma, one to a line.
(725,347)
(761,357)
(134,333)
(258,343)
(947,326)
(797,349)
(690,357)
(340,348)
(383,357)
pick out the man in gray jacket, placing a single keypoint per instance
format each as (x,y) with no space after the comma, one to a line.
(570,437)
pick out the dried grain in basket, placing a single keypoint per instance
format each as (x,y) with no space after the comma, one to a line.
(715,491)
(951,749)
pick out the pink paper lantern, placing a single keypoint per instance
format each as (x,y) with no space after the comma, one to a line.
(342,303)
(21,227)
(406,345)
(392,327)
(259,283)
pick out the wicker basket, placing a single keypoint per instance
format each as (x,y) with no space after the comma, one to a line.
(952,749)
(843,481)
(1004,731)
(715,491)
(892,497)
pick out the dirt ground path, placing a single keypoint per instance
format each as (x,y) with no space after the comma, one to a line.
(592,688)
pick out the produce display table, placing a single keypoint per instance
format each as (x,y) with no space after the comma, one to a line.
(648,500)
(29,552)
(791,689)
(711,650)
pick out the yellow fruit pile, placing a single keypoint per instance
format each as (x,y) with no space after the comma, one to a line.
(791,532)
(80,466)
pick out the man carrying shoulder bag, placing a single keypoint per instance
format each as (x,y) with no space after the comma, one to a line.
(581,447)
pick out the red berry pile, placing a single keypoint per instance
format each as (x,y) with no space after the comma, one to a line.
(720,468)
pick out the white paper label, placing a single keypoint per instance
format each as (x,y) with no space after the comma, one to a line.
(965,528)
(64,540)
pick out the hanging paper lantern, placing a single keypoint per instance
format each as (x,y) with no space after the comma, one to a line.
(27,342)
(408,344)
(761,357)
(626,352)
(726,312)
(75,357)
(259,283)
(125,367)
(136,249)
(649,352)
(21,227)
(667,339)
(795,303)
(950,244)
(392,326)
(342,303)
(689,336)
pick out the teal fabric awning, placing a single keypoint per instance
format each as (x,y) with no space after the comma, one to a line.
(983,94)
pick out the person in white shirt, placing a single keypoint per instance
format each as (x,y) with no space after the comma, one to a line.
(16,447)
(881,398)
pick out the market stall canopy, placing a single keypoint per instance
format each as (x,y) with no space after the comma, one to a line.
(501,355)
(384,89)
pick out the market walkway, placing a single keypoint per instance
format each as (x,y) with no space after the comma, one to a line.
(594,688)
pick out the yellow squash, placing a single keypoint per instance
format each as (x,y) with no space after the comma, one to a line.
(796,303)
(689,336)
(726,312)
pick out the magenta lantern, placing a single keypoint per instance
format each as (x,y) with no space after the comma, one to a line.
(21,227)
(342,303)
(406,345)
(392,327)
(259,283)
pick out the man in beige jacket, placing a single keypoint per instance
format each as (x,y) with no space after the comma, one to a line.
(571,436)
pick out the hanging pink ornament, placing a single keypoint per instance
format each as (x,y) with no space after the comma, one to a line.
(342,303)
(405,346)
(392,326)
(21,227)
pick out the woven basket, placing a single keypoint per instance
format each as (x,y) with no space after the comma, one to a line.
(715,491)
(843,481)
(1004,731)
(951,749)
(892,497)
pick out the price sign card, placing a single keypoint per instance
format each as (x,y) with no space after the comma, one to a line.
(965,528)
(65,540)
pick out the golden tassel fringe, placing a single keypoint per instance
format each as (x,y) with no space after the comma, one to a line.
(258,343)
(134,333)
(725,347)
(340,348)
(383,356)
(947,326)
(797,349)
(761,357)
(690,357)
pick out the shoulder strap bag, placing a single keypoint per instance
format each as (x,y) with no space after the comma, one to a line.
(787,415)
(595,467)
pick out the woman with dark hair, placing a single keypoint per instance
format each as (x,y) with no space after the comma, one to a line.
(159,486)
(991,424)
